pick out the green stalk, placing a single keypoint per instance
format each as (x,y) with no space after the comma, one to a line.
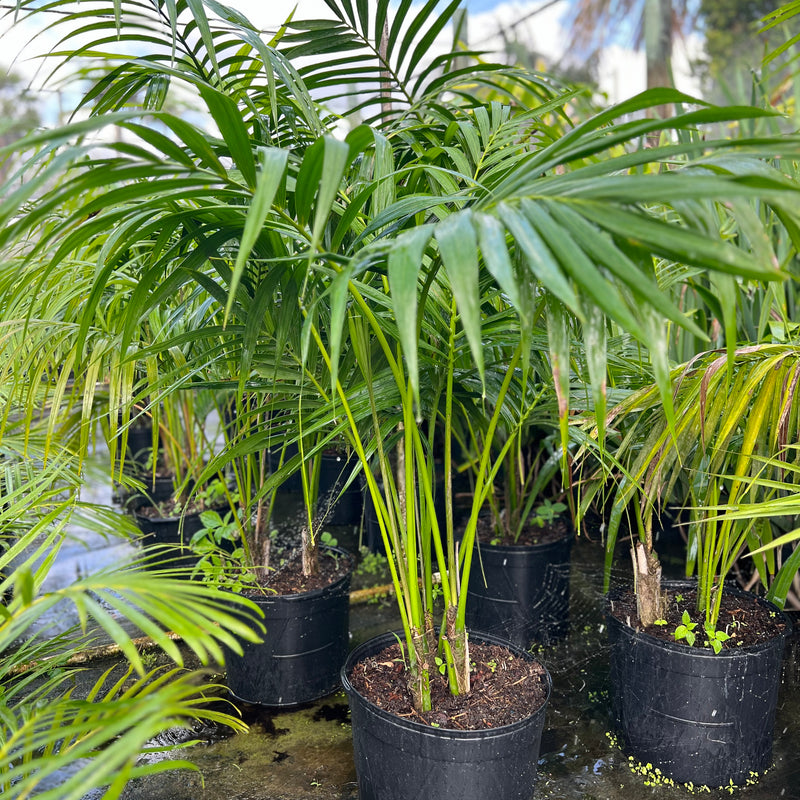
(481,489)
(410,539)
(706,571)
(448,458)
(453,643)
(390,544)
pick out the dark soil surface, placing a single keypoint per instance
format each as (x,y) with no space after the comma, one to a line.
(505,689)
(558,528)
(289,578)
(745,620)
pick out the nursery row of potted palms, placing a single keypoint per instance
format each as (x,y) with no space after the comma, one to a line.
(422,274)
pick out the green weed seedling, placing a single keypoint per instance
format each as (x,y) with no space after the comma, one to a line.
(715,639)
(547,512)
(327,539)
(685,631)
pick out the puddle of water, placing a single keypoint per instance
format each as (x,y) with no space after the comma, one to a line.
(304,753)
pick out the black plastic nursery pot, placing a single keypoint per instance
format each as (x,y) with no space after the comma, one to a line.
(139,443)
(399,759)
(372,537)
(304,647)
(174,533)
(521,592)
(699,717)
(334,470)
(156,490)
(347,508)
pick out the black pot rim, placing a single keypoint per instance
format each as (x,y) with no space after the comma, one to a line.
(527,548)
(176,518)
(385,639)
(511,548)
(167,519)
(702,652)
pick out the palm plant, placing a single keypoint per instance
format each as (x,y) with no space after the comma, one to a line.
(730,448)
(739,459)
(50,415)
(526,432)
(350,267)
(47,725)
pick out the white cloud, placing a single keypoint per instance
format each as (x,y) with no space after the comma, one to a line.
(542,30)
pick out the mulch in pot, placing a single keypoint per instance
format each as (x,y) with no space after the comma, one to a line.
(741,616)
(505,688)
(289,578)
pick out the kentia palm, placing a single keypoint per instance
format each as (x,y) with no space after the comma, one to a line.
(438,201)
(731,416)
(48,421)
(726,463)
(422,262)
(733,428)
(47,724)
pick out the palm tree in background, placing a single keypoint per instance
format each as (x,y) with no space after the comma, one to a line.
(729,27)
(18,112)
(594,22)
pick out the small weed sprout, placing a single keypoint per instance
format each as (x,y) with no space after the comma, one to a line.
(327,539)
(547,512)
(685,631)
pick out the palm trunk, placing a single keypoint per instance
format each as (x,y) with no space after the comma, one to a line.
(459,645)
(647,575)
(310,552)
(261,542)
(420,671)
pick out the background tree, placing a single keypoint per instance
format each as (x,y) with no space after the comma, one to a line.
(734,45)
(18,112)
(656,25)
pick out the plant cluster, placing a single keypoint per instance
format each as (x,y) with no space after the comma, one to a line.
(450,259)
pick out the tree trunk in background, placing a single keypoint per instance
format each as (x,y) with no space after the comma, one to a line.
(658,47)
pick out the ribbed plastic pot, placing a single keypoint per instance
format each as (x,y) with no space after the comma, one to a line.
(333,472)
(169,531)
(156,490)
(140,443)
(372,531)
(399,759)
(304,646)
(373,540)
(348,508)
(698,716)
(521,593)
(293,483)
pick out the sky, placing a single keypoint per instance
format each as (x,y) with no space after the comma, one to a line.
(538,22)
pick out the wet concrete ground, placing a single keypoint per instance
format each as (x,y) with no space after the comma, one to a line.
(306,753)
